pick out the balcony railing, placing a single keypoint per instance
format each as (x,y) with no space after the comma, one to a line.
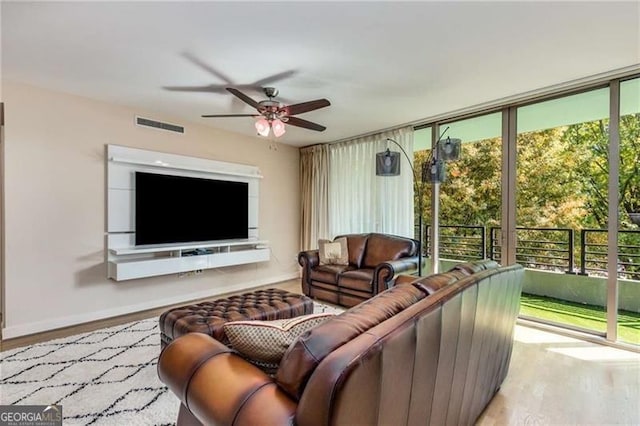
(465,242)
(593,253)
(543,248)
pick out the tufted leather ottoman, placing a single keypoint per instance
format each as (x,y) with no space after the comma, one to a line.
(209,317)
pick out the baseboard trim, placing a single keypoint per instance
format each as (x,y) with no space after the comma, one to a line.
(73,320)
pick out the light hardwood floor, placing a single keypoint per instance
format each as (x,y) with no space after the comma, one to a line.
(558,380)
(291,285)
(552,380)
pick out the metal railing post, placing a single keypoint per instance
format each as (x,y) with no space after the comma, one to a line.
(571,258)
(492,242)
(583,252)
(427,243)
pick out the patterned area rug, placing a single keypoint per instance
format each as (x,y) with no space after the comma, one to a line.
(105,377)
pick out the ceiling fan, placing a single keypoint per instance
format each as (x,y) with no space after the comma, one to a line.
(273,114)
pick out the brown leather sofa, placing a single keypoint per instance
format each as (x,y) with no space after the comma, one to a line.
(374,261)
(432,351)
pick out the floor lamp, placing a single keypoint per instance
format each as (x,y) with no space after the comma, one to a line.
(433,171)
(388,164)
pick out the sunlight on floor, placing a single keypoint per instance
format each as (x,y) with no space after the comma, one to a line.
(534,336)
(600,354)
(577,349)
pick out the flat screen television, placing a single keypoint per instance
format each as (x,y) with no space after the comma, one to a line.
(178,209)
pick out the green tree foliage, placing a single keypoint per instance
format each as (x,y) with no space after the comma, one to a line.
(630,162)
(562,180)
(589,142)
(471,193)
(547,192)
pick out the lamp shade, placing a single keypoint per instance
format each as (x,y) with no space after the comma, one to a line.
(437,171)
(278,128)
(388,163)
(449,149)
(263,127)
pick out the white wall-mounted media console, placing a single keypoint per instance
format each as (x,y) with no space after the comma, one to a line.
(128,258)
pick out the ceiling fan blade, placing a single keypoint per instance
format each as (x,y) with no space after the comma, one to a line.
(299,122)
(207,67)
(211,88)
(274,78)
(242,96)
(306,106)
(229,115)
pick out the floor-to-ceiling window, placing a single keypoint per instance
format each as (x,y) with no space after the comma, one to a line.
(561,196)
(543,185)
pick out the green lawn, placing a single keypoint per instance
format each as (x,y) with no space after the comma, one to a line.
(585,316)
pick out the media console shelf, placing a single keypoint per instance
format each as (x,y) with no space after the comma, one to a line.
(137,262)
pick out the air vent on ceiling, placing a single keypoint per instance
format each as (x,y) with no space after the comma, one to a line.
(141,121)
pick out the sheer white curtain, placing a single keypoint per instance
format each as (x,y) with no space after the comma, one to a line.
(360,201)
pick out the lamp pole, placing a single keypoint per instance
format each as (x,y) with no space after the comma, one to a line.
(434,241)
(417,187)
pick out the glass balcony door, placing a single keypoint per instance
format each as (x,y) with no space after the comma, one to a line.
(562,174)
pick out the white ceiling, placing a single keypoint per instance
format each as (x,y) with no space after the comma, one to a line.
(381,64)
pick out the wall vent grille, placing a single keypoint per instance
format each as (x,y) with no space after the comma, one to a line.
(141,121)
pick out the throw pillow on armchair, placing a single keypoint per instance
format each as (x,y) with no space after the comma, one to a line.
(334,252)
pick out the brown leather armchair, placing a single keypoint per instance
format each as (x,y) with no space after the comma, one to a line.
(374,261)
(431,351)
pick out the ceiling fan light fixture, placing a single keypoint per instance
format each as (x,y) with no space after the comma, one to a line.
(272,114)
(262,127)
(278,128)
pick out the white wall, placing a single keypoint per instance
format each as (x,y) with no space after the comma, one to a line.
(55,209)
